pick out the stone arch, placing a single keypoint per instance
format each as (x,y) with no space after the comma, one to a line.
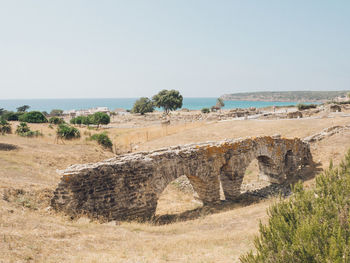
(268,169)
(175,197)
(128,186)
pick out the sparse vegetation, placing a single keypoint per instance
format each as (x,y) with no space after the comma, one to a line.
(67,132)
(24,131)
(205,110)
(143,105)
(102,139)
(5,127)
(312,226)
(33,117)
(306,106)
(56,120)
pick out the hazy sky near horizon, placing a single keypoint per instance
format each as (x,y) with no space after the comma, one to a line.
(134,48)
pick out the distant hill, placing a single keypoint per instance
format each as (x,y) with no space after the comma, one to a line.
(292,96)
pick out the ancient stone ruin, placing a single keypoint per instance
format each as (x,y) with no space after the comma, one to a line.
(128,187)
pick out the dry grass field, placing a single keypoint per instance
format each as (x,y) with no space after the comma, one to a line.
(31,232)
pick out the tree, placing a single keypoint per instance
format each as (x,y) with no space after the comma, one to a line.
(143,105)
(23,108)
(168,100)
(100,118)
(2,111)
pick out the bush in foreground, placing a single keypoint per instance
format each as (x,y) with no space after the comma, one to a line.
(5,127)
(33,117)
(102,139)
(67,132)
(24,131)
(312,226)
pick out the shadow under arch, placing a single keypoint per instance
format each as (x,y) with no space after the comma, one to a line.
(245,199)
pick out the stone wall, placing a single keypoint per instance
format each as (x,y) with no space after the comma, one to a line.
(128,187)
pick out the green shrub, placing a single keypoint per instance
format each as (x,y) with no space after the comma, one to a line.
(33,117)
(102,139)
(97,118)
(67,132)
(24,131)
(312,226)
(12,116)
(306,106)
(205,110)
(5,127)
(142,106)
(56,120)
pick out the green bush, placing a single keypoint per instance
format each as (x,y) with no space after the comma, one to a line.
(5,127)
(306,106)
(67,132)
(142,106)
(56,120)
(312,226)
(33,117)
(102,139)
(205,110)
(24,131)
(97,118)
(12,116)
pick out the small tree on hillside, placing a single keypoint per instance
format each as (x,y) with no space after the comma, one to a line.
(23,108)
(143,105)
(168,100)
(2,111)
(100,118)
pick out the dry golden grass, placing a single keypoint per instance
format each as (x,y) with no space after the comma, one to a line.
(29,232)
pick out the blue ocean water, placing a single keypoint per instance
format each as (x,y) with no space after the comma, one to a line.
(126,103)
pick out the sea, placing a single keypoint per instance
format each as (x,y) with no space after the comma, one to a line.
(126,103)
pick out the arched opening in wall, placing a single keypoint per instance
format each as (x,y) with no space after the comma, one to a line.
(254,178)
(178,197)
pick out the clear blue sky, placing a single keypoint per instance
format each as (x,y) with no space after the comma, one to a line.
(133,48)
